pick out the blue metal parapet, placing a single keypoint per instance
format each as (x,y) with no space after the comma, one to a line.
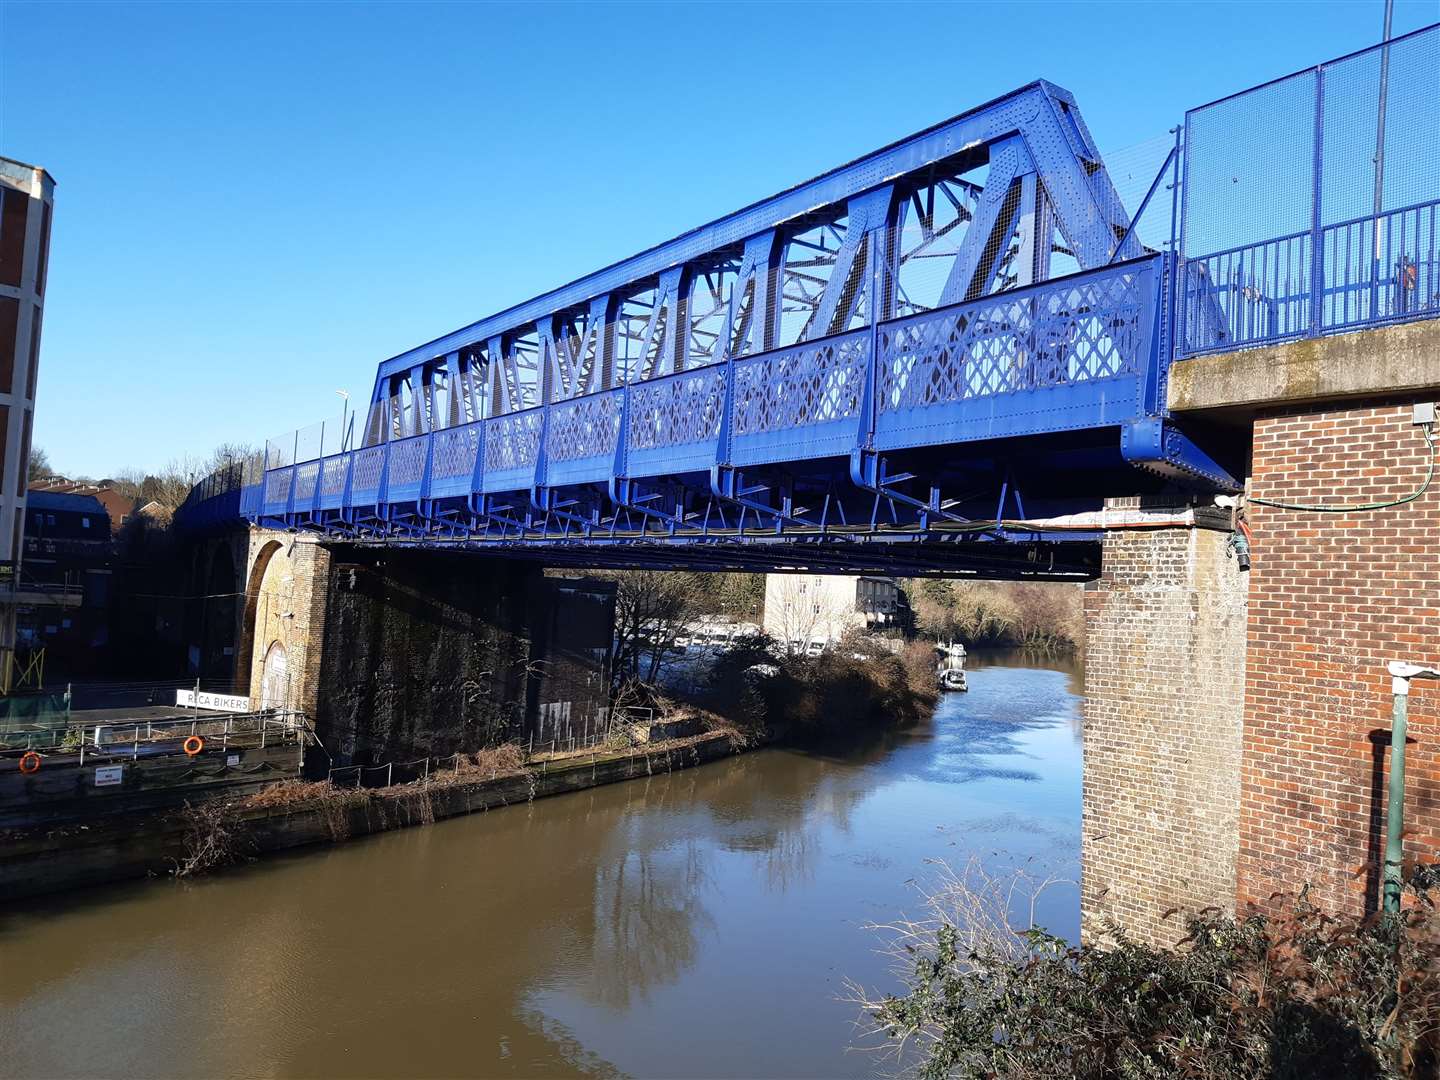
(698,456)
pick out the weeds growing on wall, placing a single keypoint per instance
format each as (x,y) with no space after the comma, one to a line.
(1293,995)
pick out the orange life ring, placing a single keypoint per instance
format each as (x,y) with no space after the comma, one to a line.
(193,745)
(29,762)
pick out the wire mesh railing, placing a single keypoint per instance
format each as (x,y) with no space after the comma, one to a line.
(78,741)
(609,729)
(1310,204)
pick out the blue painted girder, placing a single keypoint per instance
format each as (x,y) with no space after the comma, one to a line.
(1037,149)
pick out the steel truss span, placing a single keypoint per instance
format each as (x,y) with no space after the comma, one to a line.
(905,362)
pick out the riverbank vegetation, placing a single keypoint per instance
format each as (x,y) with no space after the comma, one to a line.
(1025,614)
(859,684)
(1289,994)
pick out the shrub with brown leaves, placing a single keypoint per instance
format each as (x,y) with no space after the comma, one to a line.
(1288,995)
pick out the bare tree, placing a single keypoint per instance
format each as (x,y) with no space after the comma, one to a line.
(39,466)
(651,610)
(1038,614)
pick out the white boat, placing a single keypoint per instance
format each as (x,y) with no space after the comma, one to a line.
(953,679)
(950,672)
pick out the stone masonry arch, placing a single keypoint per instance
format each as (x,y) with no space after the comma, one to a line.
(286,586)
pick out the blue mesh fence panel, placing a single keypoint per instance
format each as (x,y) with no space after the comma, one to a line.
(1280,241)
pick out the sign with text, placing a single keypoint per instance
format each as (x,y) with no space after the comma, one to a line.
(189,699)
(109,775)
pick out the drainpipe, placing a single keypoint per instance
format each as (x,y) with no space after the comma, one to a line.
(1401,672)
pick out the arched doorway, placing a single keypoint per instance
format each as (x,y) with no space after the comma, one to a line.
(254,629)
(275,678)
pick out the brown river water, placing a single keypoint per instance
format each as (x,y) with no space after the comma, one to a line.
(700,924)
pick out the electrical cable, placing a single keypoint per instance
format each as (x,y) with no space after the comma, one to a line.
(1358,507)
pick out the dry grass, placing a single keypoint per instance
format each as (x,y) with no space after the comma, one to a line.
(505,760)
(289,793)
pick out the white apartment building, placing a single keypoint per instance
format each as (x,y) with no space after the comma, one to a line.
(811,611)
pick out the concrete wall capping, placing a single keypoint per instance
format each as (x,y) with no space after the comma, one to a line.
(1404,358)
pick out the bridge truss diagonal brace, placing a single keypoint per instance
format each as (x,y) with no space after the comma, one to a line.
(867,216)
(1089,213)
(985,240)
(748,328)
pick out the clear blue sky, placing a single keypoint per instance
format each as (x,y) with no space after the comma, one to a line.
(257,203)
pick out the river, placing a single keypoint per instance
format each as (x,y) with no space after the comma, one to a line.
(695,924)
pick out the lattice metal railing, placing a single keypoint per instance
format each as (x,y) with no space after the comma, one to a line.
(307,478)
(455,451)
(584,427)
(368,468)
(407,461)
(332,480)
(804,401)
(513,441)
(1046,337)
(677,410)
(814,383)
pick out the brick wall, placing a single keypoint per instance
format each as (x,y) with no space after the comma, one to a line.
(1333,598)
(1164,686)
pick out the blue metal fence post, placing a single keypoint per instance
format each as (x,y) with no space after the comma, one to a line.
(382,494)
(290,492)
(1175,277)
(1317,258)
(477,469)
(423,501)
(347,495)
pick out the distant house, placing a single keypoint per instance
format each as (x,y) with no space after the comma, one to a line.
(117,506)
(808,612)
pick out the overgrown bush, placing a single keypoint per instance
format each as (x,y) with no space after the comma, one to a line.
(212,839)
(1287,996)
(761,687)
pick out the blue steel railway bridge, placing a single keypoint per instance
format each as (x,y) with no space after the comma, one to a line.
(943,356)
(977,351)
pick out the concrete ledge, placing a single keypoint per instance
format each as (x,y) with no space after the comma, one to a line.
(1366,363)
